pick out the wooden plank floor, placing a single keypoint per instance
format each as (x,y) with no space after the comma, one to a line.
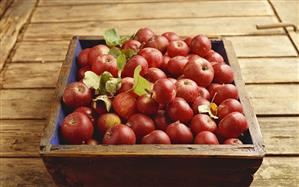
(34,39)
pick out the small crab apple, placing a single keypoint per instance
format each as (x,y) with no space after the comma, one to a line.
(199,70)
(153,57)
(158,42)
(175,65)
(107,121)
(132,44)
(177,48)
(171,36)
(164,91)
(155,74)
(97,51)
(214,57)
(187,89)
(82,59)
(200,45)
(179,110)
(144,34)
(105,63)
(77,94)
(124,104)
(130,66)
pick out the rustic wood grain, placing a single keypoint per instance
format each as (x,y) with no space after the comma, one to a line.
(192,26)
(31,75)
(20,138)
(278,172)
(24,172)
(157,10)
(25,103)
(280,134)
(4,4)
(270,70)
(11,24)
(86,2)
(275,171)
(263,46)
(287,10)
(295,37)
(40,51)
(274,99)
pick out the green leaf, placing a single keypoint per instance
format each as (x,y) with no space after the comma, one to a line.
(124,38)
(141,85)
(105,99)
(115,51)
(209,108)
(121,61)
(129,52)
(111,37)
(112,85)
(92,80)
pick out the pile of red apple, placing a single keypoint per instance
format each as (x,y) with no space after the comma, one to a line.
(191,98)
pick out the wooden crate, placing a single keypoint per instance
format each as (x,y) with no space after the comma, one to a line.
(150,165)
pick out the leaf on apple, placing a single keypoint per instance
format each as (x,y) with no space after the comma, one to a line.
(129,52)
(141,85)
(92,80)
(105,100)
(211,109)
(111,37)
(121,60)
(114,51)
(112,85)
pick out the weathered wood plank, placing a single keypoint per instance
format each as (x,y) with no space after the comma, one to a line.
(192,26)
(274,99)
(287,10)
(24,172)
(10,25)
(40,51)
(295,37)
(85,2)
(278,171)
(275,171)
(257,70)
(26,103)
(157,10)
(263,46)
(4,4)
(269,70)
(20,138)
(280,135)
(30,75)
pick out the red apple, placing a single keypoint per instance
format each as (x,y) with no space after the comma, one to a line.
(203,92)
(119,134)
(147,105)
(124,104)
(214,57)
(81,72)
(97,51)
(132,44)
(107,121)
(179,110)
(164,91)
(223,73)
(224,92)
(171,36)
(206,137)
(200,45)
(141,125)
(164,62)
(127,84)
(153,57)
(187,89)
(177,48)
(202,122)
(233,141)
(82,59)
(161,120)
(77,94)
(130,66)
(156,137)
(228,106)
(87,111)
(175,65)
(232,125)
(199,70)
(105,63)
(179,133)
(158,42)
(188,41)
(155,74)
(144,34)
(197,102)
